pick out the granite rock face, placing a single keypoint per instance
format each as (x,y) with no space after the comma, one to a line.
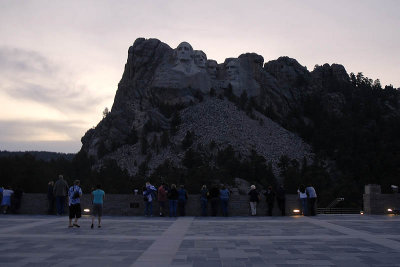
(161,84)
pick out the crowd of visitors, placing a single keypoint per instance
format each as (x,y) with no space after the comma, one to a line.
(169,199)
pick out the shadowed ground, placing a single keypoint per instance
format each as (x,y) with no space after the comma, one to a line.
(325,240)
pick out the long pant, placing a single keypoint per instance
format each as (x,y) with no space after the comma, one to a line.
(224,206)
(203,206)
(162,205)
(312,205)
(270,207)
(253,207)
(181,207)
(60,202)
(281,206)
(304,205)
(149,208)
(51,205)
(214,206)
(172,208)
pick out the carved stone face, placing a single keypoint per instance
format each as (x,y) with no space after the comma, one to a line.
(232,69)
(184,51)
(200,58)
(212,68)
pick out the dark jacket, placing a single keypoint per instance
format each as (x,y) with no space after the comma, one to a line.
(214,192)
(173,194)
(269,196)
(253,195)
(182,195)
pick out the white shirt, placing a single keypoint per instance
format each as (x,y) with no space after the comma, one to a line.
(302,195)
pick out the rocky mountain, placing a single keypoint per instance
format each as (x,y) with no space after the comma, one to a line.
(171,101)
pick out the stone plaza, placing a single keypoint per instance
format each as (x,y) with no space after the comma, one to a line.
(323,240)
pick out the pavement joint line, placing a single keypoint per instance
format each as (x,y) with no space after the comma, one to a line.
(395,245)
(79,236)
(165,247)
(28,225)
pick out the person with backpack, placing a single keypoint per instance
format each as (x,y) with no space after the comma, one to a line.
(204,194)
(148,197)
(75,212)
(214,195)
(173,200)
(224,197)
(182,199)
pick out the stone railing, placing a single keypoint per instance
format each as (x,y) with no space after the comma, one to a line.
(133,205)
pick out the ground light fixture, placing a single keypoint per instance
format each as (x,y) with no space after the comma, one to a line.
(296,211)
(86,210)
(362,212)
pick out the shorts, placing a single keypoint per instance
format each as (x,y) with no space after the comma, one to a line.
(97,210)
(75,211)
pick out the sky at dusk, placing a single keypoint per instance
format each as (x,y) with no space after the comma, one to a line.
(61,61)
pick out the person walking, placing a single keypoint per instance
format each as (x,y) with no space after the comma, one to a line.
(182,199)
(60,191)
(149,196)
(173,200)
(97,200)
(303,198)
(214,195)
(6,200)
(281,198)
(162,198)
(204,194)
(254,199)
(312,199)
(74,201)
(269,199)
(50,197)
(224,196)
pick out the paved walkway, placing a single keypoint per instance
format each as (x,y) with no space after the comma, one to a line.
(325,240)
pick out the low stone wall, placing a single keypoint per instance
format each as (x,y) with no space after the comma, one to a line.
(379,203)
(133,205)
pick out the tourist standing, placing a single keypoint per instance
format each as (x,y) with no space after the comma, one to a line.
(74,201)
(214,195)
(224,196)
(254,199)
(60,191)
(173,200)
(50,197)
(204,194)
(16,199)
(6,201)
(281,198)
(162,198)
(149,196)
(269,199)
(312,199)
(182,199)
(97,200)
(303,198)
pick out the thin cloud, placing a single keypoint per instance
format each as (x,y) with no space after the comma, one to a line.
(40,130)
(29,75)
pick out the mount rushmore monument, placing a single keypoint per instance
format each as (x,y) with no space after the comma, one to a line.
(171,101)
